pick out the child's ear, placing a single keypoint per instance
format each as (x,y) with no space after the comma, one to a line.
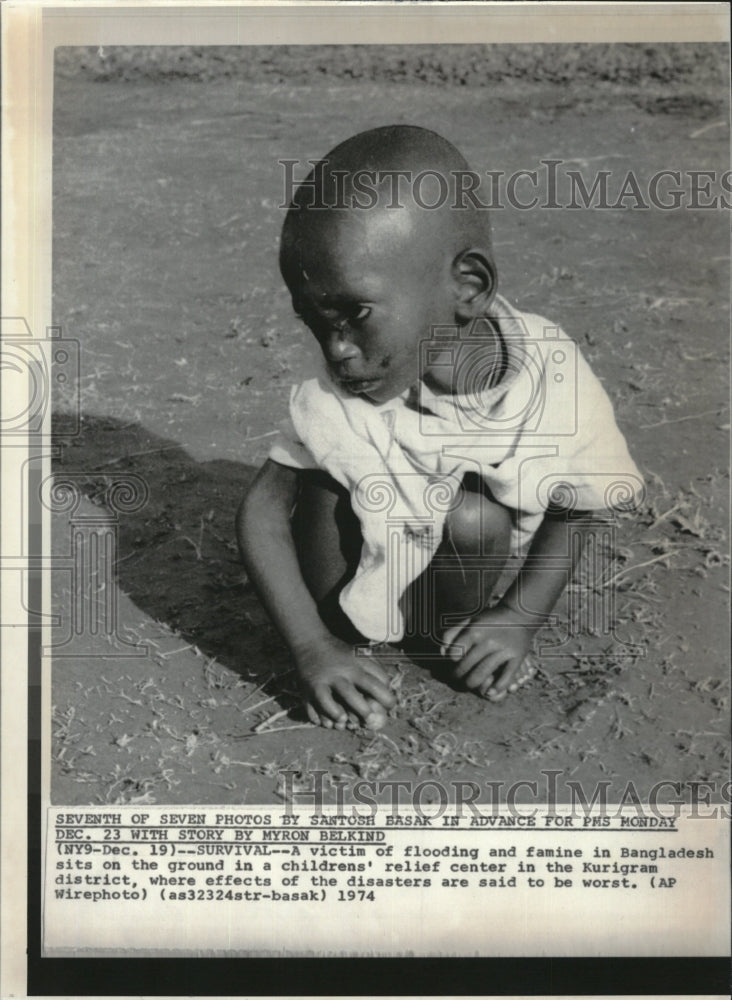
(475,278)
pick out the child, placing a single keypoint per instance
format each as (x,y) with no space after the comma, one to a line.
(444,433)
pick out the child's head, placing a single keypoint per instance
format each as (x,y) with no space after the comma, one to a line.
(378,249)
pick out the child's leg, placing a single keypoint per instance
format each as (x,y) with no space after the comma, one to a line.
(460,579)
(465,569)
(474,551)
(463,574)
(328,541)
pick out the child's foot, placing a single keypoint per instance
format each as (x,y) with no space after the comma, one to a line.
(523,675)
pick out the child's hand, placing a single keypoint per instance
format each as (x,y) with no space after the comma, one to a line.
(482,645)
(340,687)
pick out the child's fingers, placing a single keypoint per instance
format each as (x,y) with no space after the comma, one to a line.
(377,717)
(461,645)
(482,674)
(525,672)
(451,635)
(327,705)
(377,690)
(373,668)
(351,698)
(371,712)
(317,719)
(476,654)
(506,680)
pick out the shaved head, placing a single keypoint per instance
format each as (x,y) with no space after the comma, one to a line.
(378,250)
(398,182)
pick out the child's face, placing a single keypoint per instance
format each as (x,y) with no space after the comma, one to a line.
(370,290)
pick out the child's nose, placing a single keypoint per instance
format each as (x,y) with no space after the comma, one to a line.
(338,346)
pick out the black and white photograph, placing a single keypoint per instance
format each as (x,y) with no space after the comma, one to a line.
(369,428)
(476,412)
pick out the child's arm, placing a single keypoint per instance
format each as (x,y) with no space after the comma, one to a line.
(501,637)
(333,681)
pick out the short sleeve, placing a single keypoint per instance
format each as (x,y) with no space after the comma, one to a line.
(289,450)
(576,457)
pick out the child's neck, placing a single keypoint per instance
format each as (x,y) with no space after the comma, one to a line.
(476,365)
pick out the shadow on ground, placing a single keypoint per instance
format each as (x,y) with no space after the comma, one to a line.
(176,555)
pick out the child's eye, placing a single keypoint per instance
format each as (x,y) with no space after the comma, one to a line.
(360,314)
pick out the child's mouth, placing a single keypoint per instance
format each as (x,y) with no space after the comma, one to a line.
(359,385)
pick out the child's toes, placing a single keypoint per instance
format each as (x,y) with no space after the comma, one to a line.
(313,715)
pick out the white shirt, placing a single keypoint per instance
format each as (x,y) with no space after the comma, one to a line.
(546,434)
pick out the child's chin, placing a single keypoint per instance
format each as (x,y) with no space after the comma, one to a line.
(376,395)
(381,393)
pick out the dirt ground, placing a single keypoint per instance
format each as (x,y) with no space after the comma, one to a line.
(165,240)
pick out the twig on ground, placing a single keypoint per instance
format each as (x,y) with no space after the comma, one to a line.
(663,516)
(286,729)
(258,437)
(679,420)
(270,719)
(260,703)
(174,652)
(706,128)
(629,569)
